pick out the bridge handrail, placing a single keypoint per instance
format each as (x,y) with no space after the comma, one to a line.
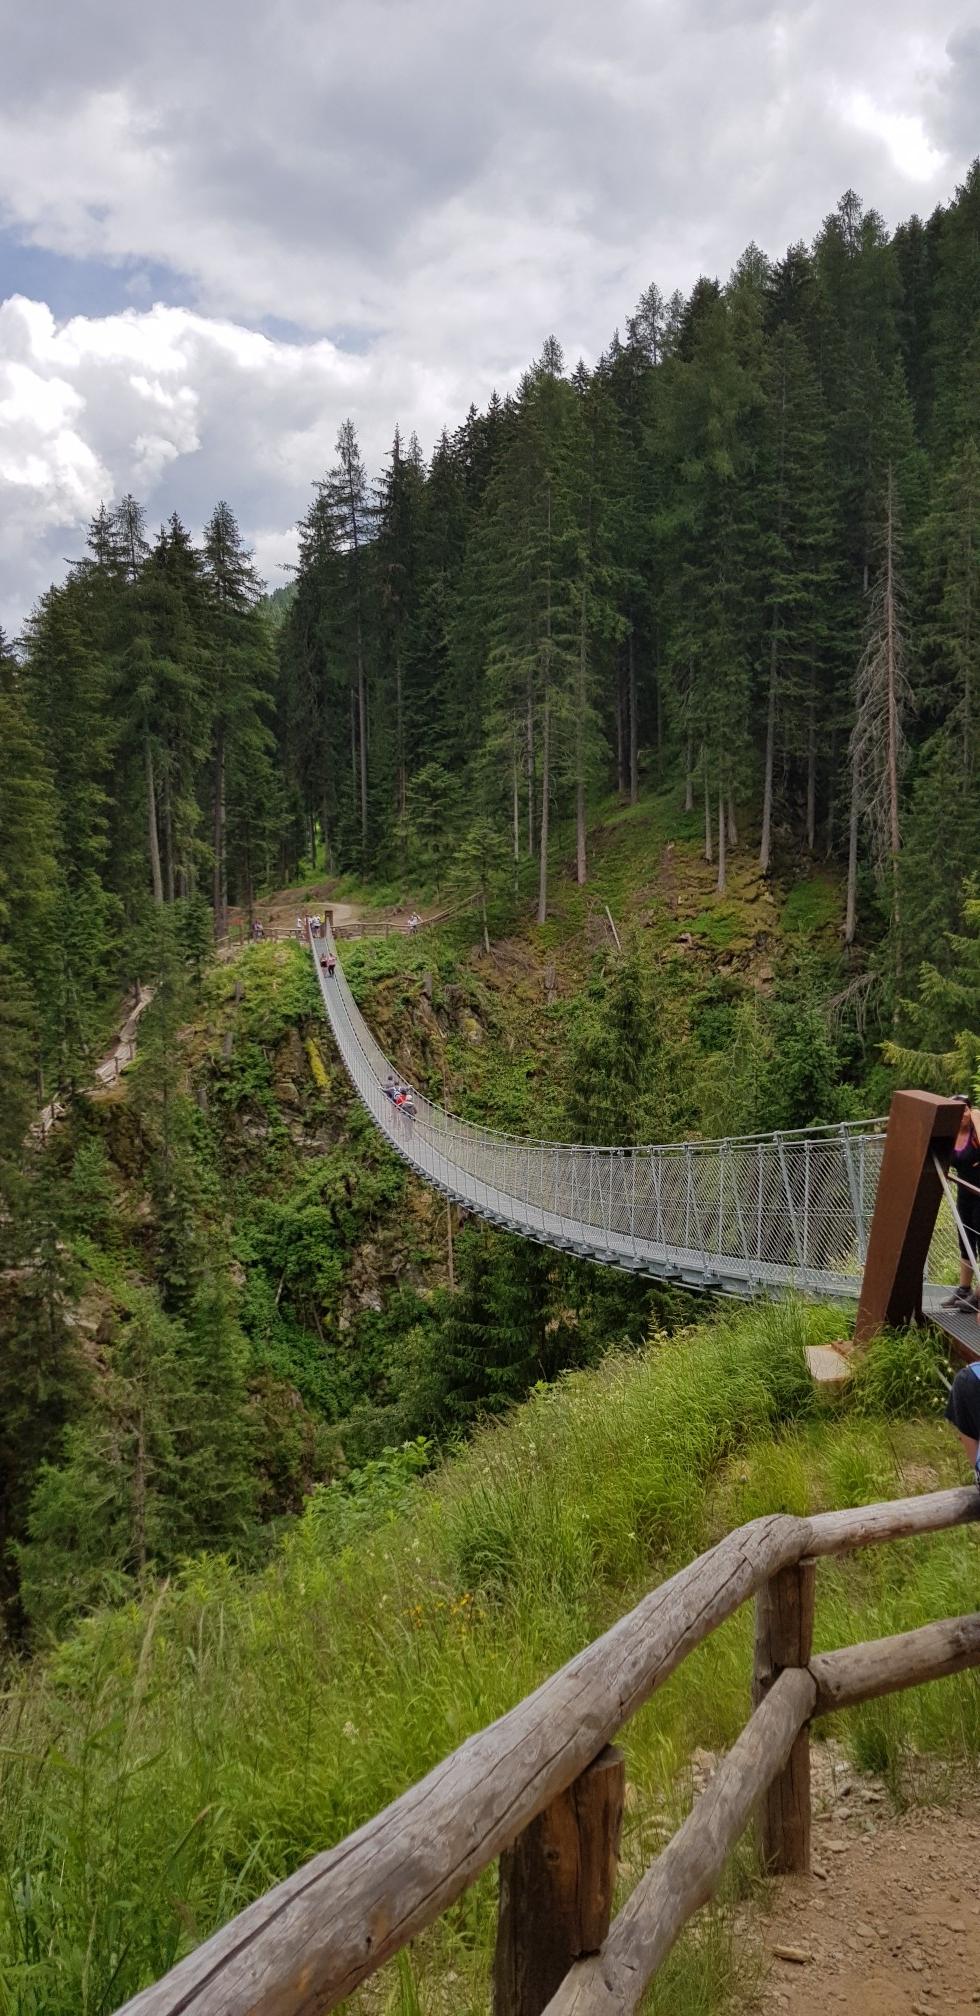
(818,1129)
(308,1943)
(775,1211)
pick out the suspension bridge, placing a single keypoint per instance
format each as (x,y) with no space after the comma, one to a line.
(761,1215)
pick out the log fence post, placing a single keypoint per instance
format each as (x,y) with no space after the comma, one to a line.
(556,1888)
(783,1638)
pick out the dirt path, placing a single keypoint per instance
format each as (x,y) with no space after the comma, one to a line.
(278,913)
(889,1922)
(121,1051)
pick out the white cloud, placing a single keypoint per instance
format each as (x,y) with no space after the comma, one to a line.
(181,408)
(444,183)
(904,134)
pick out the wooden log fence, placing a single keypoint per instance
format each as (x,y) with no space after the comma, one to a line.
(541,1790)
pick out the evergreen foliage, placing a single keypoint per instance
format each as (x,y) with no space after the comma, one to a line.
(724,556)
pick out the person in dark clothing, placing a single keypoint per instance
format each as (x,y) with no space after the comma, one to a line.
(963,1411)
(965,1171)
(963,1405)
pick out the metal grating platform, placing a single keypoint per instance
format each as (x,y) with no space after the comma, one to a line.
(962,1329)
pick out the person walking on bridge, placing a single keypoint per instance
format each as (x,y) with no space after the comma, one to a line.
(965,1171)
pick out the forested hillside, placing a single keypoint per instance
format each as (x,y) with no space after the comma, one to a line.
(746,542)
(693,634)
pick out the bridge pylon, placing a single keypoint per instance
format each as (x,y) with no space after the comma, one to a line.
(921,1129)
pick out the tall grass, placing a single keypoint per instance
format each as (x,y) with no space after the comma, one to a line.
(170,1761)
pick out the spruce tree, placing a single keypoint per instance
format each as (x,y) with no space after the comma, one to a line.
(241,665)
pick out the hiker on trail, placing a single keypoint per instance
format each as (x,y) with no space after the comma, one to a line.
(965,1171)
(391,1086)
(414,922)
(331,965)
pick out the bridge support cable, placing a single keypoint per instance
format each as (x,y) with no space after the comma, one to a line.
(767,1214)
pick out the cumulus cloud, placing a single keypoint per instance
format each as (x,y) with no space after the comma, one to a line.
(181,408)
(421,192)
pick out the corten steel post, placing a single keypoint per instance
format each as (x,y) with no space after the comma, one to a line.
(909,1195)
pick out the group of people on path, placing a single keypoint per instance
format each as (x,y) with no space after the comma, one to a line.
(401,1096)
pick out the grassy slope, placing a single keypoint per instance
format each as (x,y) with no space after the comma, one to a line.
(170,1762)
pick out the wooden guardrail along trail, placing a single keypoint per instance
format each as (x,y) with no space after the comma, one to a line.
(540,1789)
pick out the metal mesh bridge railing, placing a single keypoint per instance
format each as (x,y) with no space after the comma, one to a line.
(760,1215)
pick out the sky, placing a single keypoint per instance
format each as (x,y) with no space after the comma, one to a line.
(227,227)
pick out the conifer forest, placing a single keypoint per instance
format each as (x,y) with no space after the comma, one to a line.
(730,570)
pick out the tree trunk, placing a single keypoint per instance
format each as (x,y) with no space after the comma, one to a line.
(831,819)
(151,822)
(732,821)
(688,776)
(220,881)
(483,919)
(581,869)
(546,737)
(516,810)
(811,772)
(850,913)
(765,842)
(708,849)
(892,648)
(620,730)
(325,830)
(400,735)
(530,768)
(722,858)
(139,1497)
(362,734)
(634,726)
(353,748)
(545,795)
(168,836)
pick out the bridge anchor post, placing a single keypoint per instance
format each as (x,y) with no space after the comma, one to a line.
(920,1125)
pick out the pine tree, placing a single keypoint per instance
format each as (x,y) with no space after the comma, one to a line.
(396,558)
(241,676)
(713,398)
(940,1044)
(610,1066)
(883,697)
(952,637)
(352,512)
(798,566)
(29,894)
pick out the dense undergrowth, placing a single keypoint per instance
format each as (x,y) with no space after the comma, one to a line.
(173,1758)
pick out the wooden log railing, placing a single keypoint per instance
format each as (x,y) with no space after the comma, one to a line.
(541,1790)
